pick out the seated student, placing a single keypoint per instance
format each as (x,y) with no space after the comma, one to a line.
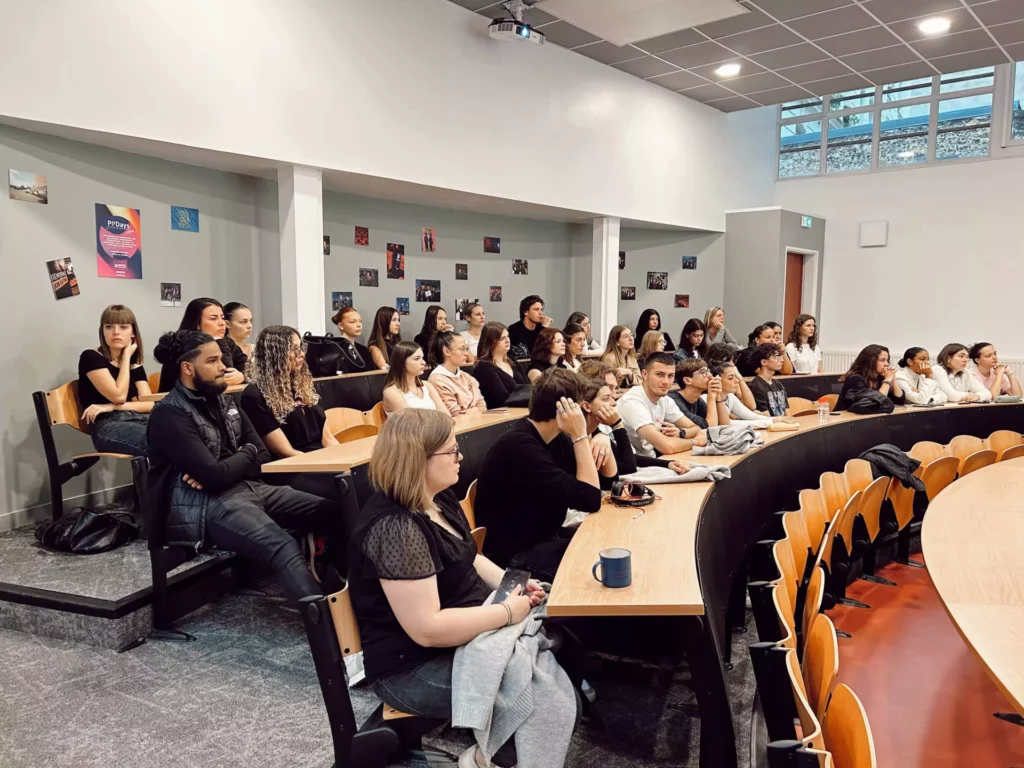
(738,408)
(523,333)
(954,380)
(769,394)
(700,394)
(620,355)
(746,358)
(435,321)
(802,346)
(575,345)
(110,379)
(716,332)
(459,391)
(787,365)
(535,472)
(404,387)
(593,347)
(650,320)
(416,581)
(283,406)
(207,315)
(870,370)
(654,341)
(915,378)
(546,353)
(387,331)
(654,422)
(718,355)
(498,376)
(692,341)
(476,318)
(205,469)
(239,320)
(355,358)
(996,377)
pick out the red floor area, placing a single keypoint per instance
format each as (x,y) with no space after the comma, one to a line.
(929,700)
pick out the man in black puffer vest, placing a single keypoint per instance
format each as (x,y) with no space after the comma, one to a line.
(205,462)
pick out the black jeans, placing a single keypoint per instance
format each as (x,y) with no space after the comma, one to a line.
(426,690)
(248,518)
(121,432)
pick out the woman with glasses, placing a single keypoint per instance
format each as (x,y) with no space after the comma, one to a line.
(418,585)
(621,355)
(716,332)
(497,375)
(404,386)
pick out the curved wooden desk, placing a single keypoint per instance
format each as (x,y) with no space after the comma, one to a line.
(973,541)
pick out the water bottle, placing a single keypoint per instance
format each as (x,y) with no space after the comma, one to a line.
(823,411)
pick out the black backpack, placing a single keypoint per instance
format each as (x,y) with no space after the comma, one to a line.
(83,531)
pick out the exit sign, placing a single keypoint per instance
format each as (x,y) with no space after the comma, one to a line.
(806,222)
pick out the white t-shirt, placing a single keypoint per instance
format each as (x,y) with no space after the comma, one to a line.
(637,411)
(739,412)
(473,343)
(805,360)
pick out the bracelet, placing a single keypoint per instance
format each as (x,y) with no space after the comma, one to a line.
(617,424)
(509,609)
(584,437)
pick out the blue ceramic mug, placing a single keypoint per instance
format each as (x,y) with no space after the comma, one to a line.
(616,568)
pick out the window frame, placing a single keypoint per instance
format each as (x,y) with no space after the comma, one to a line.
(1000,123)
(1007,123)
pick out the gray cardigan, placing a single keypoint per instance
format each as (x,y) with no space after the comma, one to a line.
(724,337)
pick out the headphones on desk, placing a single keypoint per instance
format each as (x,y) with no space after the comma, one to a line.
(627,494)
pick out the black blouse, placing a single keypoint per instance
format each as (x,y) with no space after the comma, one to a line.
(354,357)
(495,384)
(304,426)
(394,543)
(91,360)
(855,383)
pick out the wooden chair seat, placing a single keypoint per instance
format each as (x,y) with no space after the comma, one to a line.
(102,454)
(938,474)
(467,505)
(927,451)
(847,731)
(820,663)
(343,418)
(390,713)
(801,404)
(978,460)
(357,432)
(1014,452)
(833,491)
(375,415)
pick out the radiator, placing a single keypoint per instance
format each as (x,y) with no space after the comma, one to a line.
(840,362)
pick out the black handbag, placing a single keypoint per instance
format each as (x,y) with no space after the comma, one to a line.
(322,354)
(520,397)
(83,531)
(869,401)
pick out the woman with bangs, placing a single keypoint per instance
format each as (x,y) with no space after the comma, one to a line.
(111,378)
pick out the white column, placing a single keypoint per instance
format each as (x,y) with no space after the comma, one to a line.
(301,227)
(604,296)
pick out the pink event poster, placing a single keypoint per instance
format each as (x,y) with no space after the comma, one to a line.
(118,242)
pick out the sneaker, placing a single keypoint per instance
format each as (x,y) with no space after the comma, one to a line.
(468,759)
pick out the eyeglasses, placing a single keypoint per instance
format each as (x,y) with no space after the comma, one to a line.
(301,348)
(703,372)
(455,453)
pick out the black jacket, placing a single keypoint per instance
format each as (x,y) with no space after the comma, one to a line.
(186,435)
(889,461)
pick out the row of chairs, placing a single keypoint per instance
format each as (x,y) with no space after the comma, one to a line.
(801,406)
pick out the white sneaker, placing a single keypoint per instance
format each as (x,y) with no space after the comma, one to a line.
(468,759)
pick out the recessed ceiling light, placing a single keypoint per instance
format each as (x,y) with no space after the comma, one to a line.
(728,70)
(936,25)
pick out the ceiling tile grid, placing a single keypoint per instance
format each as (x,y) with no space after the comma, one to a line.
(792,49)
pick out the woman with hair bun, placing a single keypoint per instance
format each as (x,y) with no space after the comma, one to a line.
(915,378)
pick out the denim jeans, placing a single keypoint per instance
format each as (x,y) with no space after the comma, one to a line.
(121,432)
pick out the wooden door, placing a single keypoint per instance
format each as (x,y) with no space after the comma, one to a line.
(794,290)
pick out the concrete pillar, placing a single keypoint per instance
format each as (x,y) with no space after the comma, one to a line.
(604,297)
(301,227)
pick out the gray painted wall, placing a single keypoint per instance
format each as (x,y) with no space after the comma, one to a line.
(42,338)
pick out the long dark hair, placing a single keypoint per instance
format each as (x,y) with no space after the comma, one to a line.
(194,313)
(489,338)
(567,333)
(577,318)
(642,326)
(396,372)
(542,348)
(381,336)
(440,341)
(866,364)
(693,324)
(794,335)
(430,322)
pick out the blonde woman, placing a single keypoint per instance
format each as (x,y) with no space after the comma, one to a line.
(404,386)
(715,330)
(621,355)
(416,578)
(654,341)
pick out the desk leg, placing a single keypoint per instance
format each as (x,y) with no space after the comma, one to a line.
(717,739)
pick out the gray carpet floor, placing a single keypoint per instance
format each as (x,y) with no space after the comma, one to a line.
(246,694)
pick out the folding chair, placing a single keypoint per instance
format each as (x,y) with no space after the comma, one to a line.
(1013,452)
(926,452)
(801,406)
(969,448)
(847,731)
(820,663)
(343,418)
(376,415)
(1002,439)
(356,432)
(867,526)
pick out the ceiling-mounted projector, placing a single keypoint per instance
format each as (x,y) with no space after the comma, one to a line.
(514,26)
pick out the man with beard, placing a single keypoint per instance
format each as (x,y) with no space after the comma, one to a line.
(205,460)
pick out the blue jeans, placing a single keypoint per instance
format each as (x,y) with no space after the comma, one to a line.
(121,432)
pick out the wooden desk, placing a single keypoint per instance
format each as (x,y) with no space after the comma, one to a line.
(158,396)
(973,541)
(341,458)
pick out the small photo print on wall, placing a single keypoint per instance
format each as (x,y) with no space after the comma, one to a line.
(340,299)
(396,261)
(367,278)
(27,187)
(495,293)
(184,219)
(622,259)
(520,267)
(689,262)
(627,293)
(362,236)
(170,294)
(402,306)
(462,272)
(62,278)
(327,245)
(427,243)
(657,281)
(682,301)
(462,307)
(428,290)
(492,245)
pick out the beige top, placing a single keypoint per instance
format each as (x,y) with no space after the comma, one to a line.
(459,391)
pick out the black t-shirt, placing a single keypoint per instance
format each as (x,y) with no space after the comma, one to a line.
(769,397)
(394,543)
(91,360)
(696,412)
(354,357)
(539,365)
(520,335)
(304,426)
(423,341)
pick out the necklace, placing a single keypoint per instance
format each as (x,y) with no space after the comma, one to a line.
(349,348)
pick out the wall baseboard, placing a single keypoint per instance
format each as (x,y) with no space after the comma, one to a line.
(37,514)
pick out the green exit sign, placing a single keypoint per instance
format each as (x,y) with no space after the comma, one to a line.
(806,222)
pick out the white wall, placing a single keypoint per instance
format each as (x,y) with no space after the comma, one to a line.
(42,337)
(403,89)
(953,268)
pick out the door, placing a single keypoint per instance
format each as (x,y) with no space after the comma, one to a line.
(794,290)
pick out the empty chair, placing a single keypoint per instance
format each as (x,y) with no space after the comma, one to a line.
(1002,439)
(857,474)
(833,490)
(838,559)
(810,730)
(816,519)
(847,731)
(800,544)
(977,460)
(1013,452)
(356,432)
(343,418)
(902,499)
(788,576)
(820,663)
(815,595)
(938,474)
(154,381)
(964,446)
(926,452)
(375,415)
(800,406)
